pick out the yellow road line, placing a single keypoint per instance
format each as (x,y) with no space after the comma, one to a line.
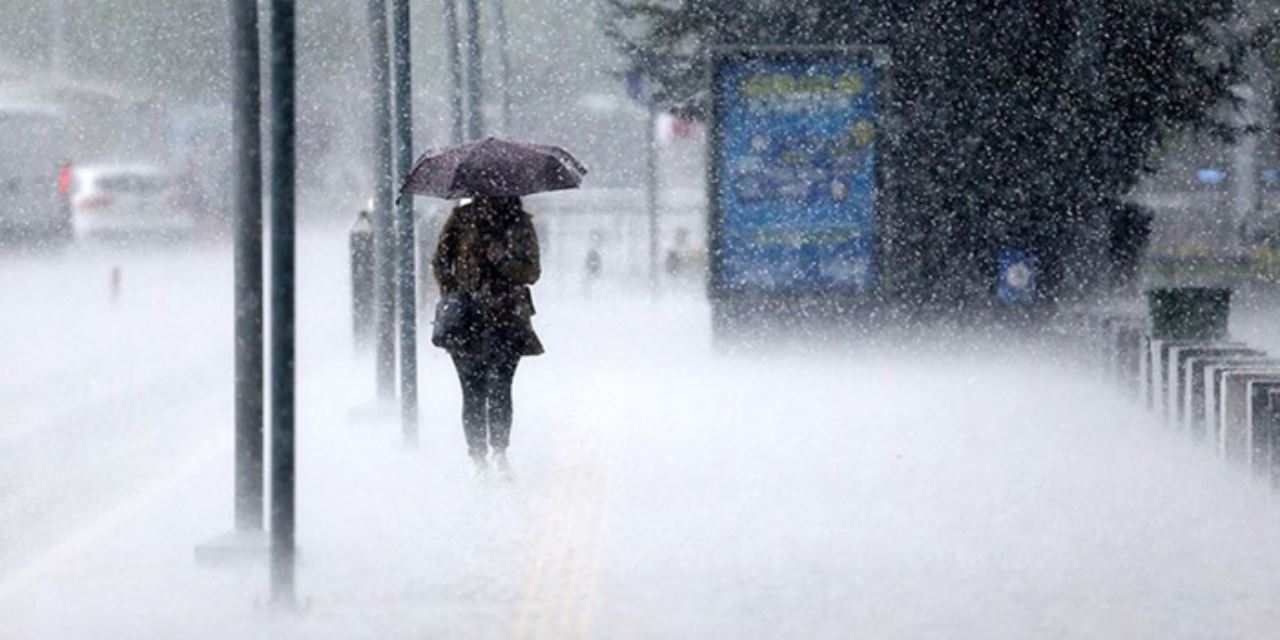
(564,571)
(588,608)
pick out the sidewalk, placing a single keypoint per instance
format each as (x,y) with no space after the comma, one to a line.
(666,492)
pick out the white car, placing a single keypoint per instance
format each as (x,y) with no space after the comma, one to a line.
(126,200)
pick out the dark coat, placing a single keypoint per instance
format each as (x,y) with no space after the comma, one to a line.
(491,254)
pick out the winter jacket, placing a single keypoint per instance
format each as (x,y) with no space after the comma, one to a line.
(491,255)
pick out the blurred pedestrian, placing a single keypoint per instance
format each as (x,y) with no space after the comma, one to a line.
(486,259)
(116,283)
(678,254)
(594,264)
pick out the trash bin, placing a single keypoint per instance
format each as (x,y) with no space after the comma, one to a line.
(1189,313)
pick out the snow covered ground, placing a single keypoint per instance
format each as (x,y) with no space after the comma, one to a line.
(954,487)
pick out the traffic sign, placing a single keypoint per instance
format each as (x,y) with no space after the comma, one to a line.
(1016,272)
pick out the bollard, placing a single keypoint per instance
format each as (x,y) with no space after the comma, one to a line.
(1095,329)
(1119,346)
(1197,390)
(1144,370)
(1259,417)
(1188,382)
(361,246)
(1179,354)
(1129,348)
(1273,420)
(1163,373)
(1215,380)
(1237,439)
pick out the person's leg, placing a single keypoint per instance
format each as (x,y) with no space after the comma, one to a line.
(472,376)
(501,373)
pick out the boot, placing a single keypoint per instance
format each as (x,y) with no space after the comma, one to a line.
(481,466)
(500,461)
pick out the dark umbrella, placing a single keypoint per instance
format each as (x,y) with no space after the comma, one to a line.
(493,167)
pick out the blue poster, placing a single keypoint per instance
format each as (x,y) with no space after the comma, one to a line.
(1015,276)
(796,168)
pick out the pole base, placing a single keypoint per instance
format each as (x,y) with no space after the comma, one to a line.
(238,547)
(376,411)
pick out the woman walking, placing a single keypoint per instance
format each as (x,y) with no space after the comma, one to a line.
(486,259)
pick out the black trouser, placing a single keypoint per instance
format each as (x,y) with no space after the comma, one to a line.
(486,398)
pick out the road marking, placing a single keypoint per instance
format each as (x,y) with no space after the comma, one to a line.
(563,579)
(597,555)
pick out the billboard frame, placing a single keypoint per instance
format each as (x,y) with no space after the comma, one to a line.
(732,302)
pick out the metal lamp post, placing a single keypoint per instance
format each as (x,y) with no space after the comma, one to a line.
(283,551)
(383,226)
(408,297)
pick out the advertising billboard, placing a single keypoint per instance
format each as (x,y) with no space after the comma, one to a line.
(794,178)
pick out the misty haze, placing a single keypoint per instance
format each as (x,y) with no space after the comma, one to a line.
(639,319)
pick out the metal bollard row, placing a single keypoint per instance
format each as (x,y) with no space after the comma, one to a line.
(1219,392)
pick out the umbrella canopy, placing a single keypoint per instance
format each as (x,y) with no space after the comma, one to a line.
(493,167)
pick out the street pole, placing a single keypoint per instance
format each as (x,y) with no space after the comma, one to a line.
(246,126)
(383,226)
(651,193)
(475,71)
(1083,266)
(504,58)
(404,220)
(58,37)
(283,552)
(453,51)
